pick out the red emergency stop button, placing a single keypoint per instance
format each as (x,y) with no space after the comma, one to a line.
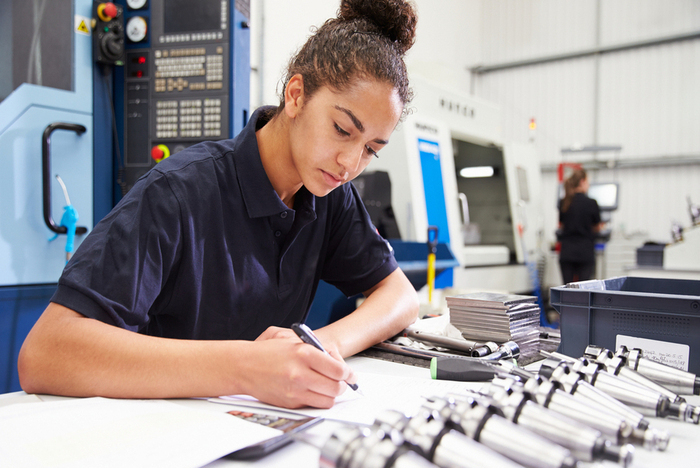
(160,152)
(107,11)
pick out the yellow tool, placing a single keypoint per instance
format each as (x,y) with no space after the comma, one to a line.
(432,249)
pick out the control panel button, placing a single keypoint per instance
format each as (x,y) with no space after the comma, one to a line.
(107,11)
(160,152)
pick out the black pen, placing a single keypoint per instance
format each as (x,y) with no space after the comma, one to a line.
(307,336)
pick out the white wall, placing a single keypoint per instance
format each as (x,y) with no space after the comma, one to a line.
(278,29)
(447,39)
(646,100)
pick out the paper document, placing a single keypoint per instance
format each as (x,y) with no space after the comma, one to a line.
(91,432)
(405,394)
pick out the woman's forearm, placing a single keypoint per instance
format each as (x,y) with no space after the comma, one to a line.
(390,307)
(69,354)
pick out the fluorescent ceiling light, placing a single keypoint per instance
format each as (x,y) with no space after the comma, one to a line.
(478,171)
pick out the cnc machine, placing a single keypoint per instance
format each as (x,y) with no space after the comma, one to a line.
(491,223)
(97,93)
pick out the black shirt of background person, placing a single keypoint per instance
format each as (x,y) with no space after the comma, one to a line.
(577,236)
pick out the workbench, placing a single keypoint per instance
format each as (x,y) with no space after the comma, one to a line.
(681,451)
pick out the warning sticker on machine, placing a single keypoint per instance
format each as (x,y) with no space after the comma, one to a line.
(82,25)
(672,354)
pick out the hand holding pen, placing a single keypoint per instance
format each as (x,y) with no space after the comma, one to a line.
(307,336)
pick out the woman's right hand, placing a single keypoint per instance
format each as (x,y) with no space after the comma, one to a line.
(290,373)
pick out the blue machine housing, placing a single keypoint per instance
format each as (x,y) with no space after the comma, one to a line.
(88,163)
(32,264)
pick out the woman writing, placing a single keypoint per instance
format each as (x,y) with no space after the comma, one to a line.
(189,286)
(579,221)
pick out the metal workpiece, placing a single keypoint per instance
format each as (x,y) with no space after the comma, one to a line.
(684,411)
(595,396)
(642,433)
(340,446)
(457,450)
(354,447)
(617,365)
(508,350)
(473,348)
(646,400)
(485,349)
(609,371)
(524,446)
(554,356)
(407,459)
(676,380)
(651,438)
(573,379)
(595,351)
(586,443)
(424,430)
(438,441)
(482,423)
(592,407)
(610,424)
(489,350)
(630,374)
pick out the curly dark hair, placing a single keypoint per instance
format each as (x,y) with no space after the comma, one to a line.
(368,39)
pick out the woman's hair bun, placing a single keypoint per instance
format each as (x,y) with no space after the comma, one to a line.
(395,19)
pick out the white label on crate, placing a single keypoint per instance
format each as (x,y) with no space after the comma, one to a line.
(672,354)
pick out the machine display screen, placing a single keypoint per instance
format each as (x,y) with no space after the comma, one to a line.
(188,16)
(605,195)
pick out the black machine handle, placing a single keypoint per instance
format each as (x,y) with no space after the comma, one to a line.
(46,170)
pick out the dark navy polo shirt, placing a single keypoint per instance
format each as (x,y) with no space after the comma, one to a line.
(202,247)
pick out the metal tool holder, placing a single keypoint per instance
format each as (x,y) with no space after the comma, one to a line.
(617,365)
(676,380)
(486,424)
(576,385)
(628,387)
(441,440)
(354,447)
(586,443)
(587,409)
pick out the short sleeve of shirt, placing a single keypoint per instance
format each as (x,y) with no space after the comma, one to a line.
(358,257)
(119,270)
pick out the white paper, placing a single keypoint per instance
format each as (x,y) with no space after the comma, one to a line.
(104,432)
(405,394)
(672,354)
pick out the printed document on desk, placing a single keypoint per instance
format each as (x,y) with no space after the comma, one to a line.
(381,392)
(92,432)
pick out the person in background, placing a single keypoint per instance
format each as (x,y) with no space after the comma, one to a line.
(579,221)
(189,286)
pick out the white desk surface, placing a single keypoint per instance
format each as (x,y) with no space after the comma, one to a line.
(681,452)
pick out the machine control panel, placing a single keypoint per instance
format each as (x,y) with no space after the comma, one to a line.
(108,37)
(176,82)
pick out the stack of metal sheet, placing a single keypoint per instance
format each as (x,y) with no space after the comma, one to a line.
(487,316)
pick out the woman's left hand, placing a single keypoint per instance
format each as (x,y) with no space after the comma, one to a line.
(276,333)
(286,333)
